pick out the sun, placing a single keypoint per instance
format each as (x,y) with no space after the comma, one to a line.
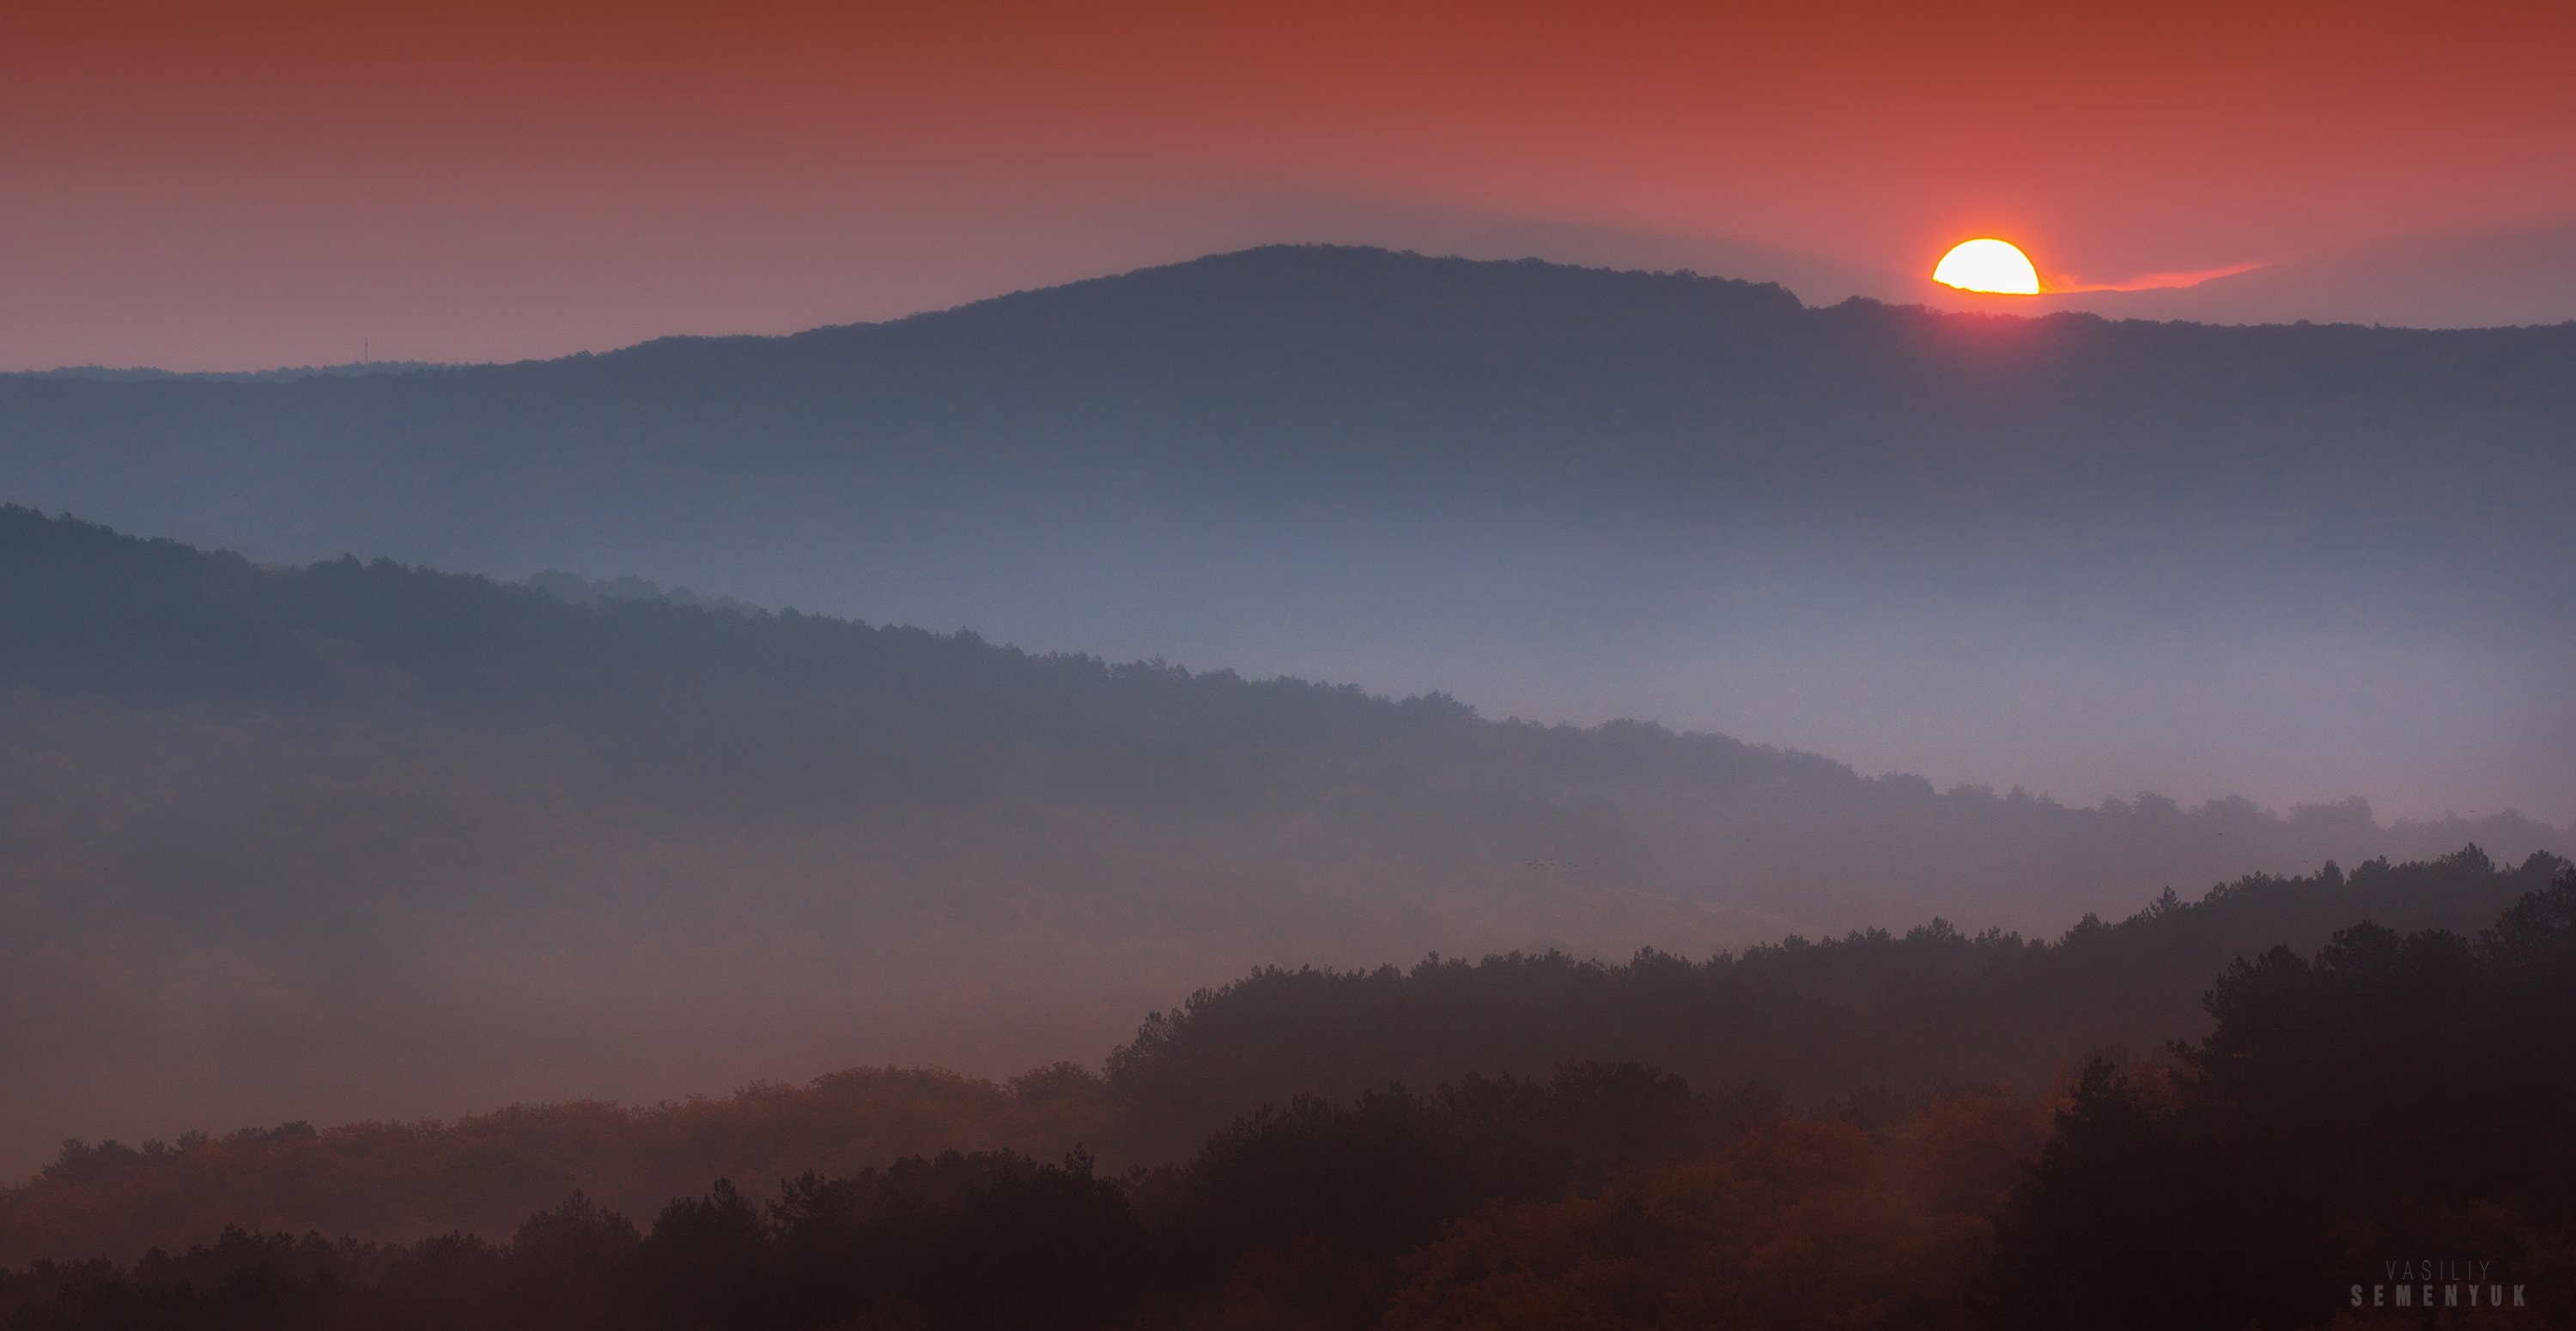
(1988,265)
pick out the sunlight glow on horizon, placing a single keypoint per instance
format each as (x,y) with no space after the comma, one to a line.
(1989,265)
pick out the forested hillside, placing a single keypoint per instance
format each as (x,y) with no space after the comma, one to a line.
(1616,1195)
(1865,1026)
(1810,1019)
(358,839)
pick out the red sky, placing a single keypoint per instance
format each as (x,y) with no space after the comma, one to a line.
(253,184)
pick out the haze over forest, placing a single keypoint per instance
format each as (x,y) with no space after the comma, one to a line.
(2295,564)
(384,742)
(1296,666)
(361,839)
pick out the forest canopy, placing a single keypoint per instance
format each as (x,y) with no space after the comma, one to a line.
(1618,1195)
(1860,1024)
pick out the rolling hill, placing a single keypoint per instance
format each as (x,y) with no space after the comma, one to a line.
(352,840)
(2085,555)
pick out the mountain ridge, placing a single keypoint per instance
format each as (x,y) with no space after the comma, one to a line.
(1575,493)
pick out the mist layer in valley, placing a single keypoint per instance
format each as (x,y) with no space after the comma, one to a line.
(361,840)
(2089,558)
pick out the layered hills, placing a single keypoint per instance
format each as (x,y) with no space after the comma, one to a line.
(361,839)
(2085,555)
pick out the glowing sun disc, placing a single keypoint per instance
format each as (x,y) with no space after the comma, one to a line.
(1988,265)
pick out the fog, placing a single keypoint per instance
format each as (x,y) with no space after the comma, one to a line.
(2424,701)
(2036,618)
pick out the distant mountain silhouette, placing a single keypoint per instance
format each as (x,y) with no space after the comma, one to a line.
(1273,379)
(1555,491)
(106,374)
(2477,280)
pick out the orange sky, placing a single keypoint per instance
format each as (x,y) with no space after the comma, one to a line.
(263,183)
